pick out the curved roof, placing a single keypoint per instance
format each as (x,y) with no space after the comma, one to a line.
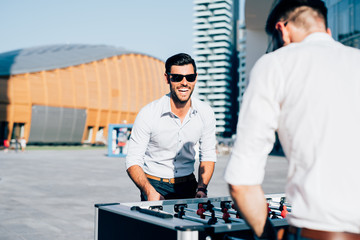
(42,58)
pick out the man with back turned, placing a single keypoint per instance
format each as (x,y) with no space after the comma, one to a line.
(308,91)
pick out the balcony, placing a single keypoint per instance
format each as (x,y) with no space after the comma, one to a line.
(218,97)
(219,44)
(220,109)
(218,70)
(202,39)
(204,90)
(219,32)
(222,51)
(220,129)
(215,83)
(200,59)
(221,103)
(202,52)
(221,90)
(222,116)
(200,46)
(226,38)
(201,33)
(201,71)
(200,7)
(218,57)
(201,97)
(219,19)
(204,65)
(220,123)
(222,25)
(202,26)
(230,2)
(222,64)
(224,77)
(202,1)
(219,6)
(200,84)
(223,12)
(203,77)
(203,14)
(200,20)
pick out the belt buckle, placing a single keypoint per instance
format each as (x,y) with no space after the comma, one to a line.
(165,180)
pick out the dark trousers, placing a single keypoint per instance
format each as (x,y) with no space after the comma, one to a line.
(173,191)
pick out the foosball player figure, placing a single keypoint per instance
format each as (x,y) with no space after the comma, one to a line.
(181,213)
(225,204)
(237,212)
(269,210)
(213,219)
(226,215)
(284,212)
(281,206)
(201,211)
(209,206)
(273,215)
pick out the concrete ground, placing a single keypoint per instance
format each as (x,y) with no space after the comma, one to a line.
(50,194)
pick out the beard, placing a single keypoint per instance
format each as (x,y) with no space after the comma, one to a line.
(178,99)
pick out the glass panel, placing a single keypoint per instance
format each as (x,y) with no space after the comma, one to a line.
(357,16)
(344,19)
(18,130)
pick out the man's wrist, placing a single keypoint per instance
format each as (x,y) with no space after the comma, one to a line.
(201,189)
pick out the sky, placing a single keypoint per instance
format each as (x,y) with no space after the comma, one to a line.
(159,28)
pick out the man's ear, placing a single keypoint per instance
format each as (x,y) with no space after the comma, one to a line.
(167,80)
(285,35)
(328,31)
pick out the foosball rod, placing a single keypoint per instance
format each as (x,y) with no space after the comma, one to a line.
(229,211)
(277,208)
(216,215)
(194,219)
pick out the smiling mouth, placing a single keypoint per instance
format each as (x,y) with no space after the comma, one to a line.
(183,90)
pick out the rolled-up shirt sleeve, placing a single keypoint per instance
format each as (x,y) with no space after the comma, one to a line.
(139,139)
(207,142)
(258,121)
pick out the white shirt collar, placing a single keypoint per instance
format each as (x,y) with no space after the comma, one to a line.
(167,107)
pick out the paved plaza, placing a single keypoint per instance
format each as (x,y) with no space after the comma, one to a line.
(50,194)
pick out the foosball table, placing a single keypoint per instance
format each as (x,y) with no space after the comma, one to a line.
(183,219)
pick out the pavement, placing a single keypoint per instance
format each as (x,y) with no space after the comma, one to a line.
(50,194)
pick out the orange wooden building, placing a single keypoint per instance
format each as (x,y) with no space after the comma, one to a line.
(71,93)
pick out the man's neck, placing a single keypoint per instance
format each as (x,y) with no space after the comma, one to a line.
(180,109)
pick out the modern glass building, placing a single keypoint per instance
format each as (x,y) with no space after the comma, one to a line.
(242,52)
(217,57)
(344,21)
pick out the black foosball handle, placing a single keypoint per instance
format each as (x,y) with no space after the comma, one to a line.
(151,212)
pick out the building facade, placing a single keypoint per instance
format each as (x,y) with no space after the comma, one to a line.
(344,21)
(217,58)
(69,94)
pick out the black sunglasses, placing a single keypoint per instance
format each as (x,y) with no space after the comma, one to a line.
(180,77)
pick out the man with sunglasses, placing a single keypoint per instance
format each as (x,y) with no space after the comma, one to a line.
(308,91)
(161,152)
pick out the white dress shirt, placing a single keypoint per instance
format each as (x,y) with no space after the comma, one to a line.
(164,146)
(310,93)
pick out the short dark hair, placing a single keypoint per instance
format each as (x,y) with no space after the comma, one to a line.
(179,59)
(284,7)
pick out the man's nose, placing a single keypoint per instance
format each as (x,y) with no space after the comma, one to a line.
(184,81)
